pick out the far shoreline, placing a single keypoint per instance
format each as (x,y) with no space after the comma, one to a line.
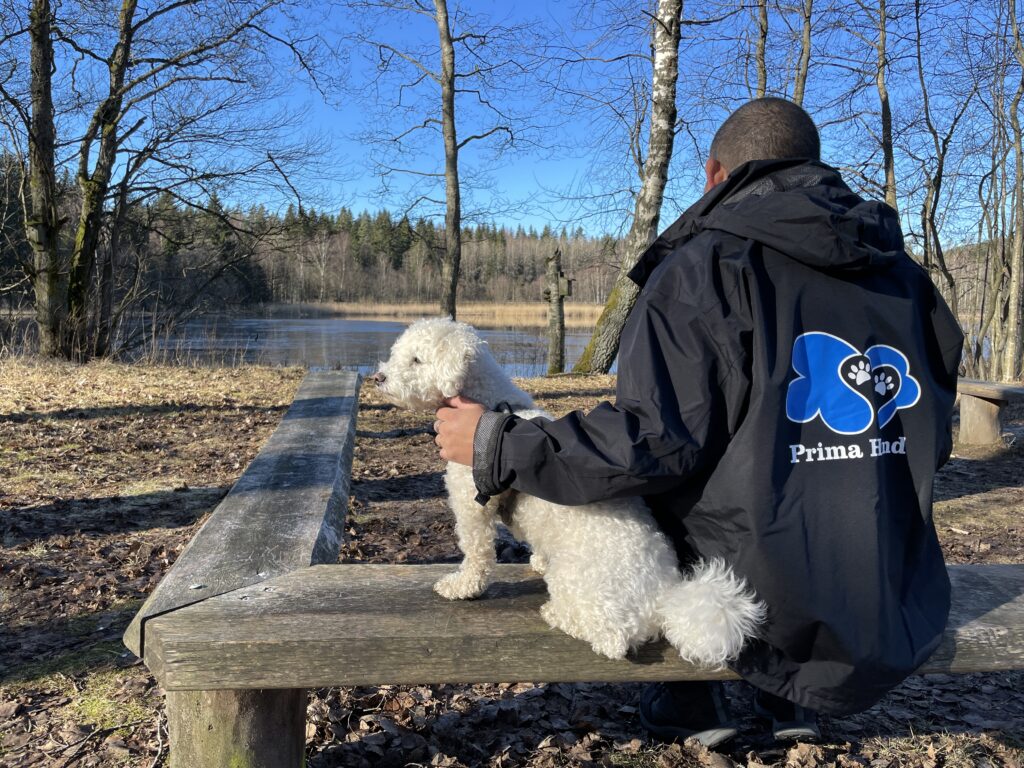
(482,314)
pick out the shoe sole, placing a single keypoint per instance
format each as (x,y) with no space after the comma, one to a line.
(711,737)
(796,733)
(788,731)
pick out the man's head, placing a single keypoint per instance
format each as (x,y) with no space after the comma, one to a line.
(762,129)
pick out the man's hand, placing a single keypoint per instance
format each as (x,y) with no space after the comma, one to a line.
(455,427)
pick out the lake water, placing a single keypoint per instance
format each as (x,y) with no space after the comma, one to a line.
(328,341)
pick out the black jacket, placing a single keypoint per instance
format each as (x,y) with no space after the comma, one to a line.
(785,389)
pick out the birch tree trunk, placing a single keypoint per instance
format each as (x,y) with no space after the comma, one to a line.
(604,343)
(42,223)
(760,54)
(453,204)
(556,314)
(804,62)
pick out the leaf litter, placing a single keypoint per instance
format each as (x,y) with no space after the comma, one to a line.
(109,470)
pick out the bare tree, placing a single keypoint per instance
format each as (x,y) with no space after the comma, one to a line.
(1014,346)
(879,16)
(459,86)
(146,97)
(984,271)
(774,55)
(42,221)
(665,35)
(452,193)
(933,165)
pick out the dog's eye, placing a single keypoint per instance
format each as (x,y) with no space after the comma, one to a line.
(416,361)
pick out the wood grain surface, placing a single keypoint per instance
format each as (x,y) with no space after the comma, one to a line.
(285,512)
(377,624)
(990,390)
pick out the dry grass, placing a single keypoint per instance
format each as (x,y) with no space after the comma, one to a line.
(480,314)
(88,430)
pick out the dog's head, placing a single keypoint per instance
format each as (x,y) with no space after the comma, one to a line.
(428,363)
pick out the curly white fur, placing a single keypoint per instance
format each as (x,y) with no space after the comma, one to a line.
(612,576)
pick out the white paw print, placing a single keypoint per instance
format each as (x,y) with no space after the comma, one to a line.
(883,383)
(859,372)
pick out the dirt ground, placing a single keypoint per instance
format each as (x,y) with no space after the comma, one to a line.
(107,471)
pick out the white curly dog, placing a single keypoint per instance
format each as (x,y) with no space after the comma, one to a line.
(612,576)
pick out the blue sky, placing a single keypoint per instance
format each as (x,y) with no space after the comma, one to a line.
(584,152)
(571,163)
(527,186)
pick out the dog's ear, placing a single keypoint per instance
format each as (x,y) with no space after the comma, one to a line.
(455,356)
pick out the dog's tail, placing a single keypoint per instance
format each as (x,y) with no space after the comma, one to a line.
(709,614)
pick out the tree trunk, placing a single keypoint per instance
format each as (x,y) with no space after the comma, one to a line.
(1011,368)
(888,160)
(102,334)
(94,187)
(453,205)
(762,44)
(604,343)
(804,62)
(42,223)
(556,314)
(934,258)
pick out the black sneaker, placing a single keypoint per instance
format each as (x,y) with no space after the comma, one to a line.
(790,722)
(679,711)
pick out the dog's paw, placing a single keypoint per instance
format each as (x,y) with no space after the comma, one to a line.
(461,585)
(614,647)
(539,563)
(549,614)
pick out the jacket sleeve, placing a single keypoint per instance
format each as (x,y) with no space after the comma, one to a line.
(669,404)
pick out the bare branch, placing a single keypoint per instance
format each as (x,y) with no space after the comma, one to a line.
(478,136)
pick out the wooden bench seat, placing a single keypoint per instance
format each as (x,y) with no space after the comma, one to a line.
(374,624)
(981,409)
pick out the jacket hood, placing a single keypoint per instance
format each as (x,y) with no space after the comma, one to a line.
(801,208)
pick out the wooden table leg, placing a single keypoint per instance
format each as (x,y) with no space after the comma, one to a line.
(980,422)
(237,729)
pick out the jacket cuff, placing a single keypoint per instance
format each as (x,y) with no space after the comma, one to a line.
(486,444)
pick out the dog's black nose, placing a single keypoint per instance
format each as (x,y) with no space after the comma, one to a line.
(378,378)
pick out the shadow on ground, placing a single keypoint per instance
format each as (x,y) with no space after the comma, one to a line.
(108,514)
(423,485)
(118,411)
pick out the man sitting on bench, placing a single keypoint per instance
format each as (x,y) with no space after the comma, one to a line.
(784,397)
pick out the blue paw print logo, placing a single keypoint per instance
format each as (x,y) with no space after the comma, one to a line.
(847,388)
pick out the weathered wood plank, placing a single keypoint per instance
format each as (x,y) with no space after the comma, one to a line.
(254,729)
(375,624)
(980,421)
(990,390)
(285,512)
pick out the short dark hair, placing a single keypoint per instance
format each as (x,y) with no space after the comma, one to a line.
(765,129)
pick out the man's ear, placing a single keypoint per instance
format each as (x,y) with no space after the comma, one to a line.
(714,174)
